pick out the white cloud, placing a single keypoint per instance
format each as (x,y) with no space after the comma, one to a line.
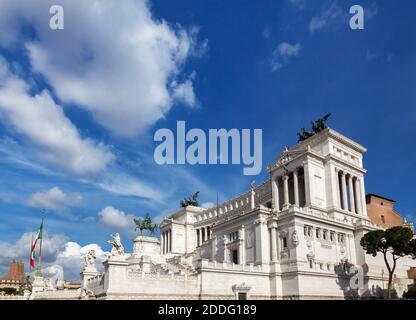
(114,60)
(207,205)
(54,199)
(57,253)
(40,120)
(283,52)
(71,258)
(125,185)
(185,92)
(116,219)
(325,18)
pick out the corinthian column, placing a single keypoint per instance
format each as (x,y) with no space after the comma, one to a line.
(344,191)
(161,243)
(275,193)
(358,196)
(286,191)
(169,240)
(339,195)
(351,192)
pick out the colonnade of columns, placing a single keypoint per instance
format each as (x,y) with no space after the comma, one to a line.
(286,191)
(202,235)
(350,195)
(166,241)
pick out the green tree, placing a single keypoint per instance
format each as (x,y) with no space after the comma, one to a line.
(393,243)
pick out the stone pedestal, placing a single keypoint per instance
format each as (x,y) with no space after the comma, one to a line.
(86,274)
(146,264)
(38,284)
(146,246)
(115,274)
(145,251)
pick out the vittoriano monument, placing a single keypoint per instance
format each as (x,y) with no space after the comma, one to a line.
(277,239)
(191,201)
(145,224)
(317,126)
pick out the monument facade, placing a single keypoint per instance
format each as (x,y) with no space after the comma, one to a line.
(294,236)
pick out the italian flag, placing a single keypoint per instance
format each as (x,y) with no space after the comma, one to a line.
(35,240)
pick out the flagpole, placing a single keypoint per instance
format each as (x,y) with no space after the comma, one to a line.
(38,271)
(30,254)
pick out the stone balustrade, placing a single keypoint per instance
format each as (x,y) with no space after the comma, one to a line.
(132,275)
(238,205)
(207,264)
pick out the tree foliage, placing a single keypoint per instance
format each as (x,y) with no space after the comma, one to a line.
(393,243)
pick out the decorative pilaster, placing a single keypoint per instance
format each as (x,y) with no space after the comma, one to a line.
(296,187)
(225,240)
(307,184)
(241,249)
(262,253)
(213,248)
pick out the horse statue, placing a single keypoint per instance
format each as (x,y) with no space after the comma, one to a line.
(117,249)
(145,224)
(192,201)
(320,124)
(317,126)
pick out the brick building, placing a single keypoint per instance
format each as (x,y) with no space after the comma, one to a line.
(15,277)
(381,211)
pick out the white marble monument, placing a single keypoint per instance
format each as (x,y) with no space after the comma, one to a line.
(294,236)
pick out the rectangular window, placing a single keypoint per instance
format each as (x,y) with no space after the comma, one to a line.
(242,296)
(235,256)
(284,242)
(383,219)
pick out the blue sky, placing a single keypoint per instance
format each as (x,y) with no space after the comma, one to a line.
(105,85)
